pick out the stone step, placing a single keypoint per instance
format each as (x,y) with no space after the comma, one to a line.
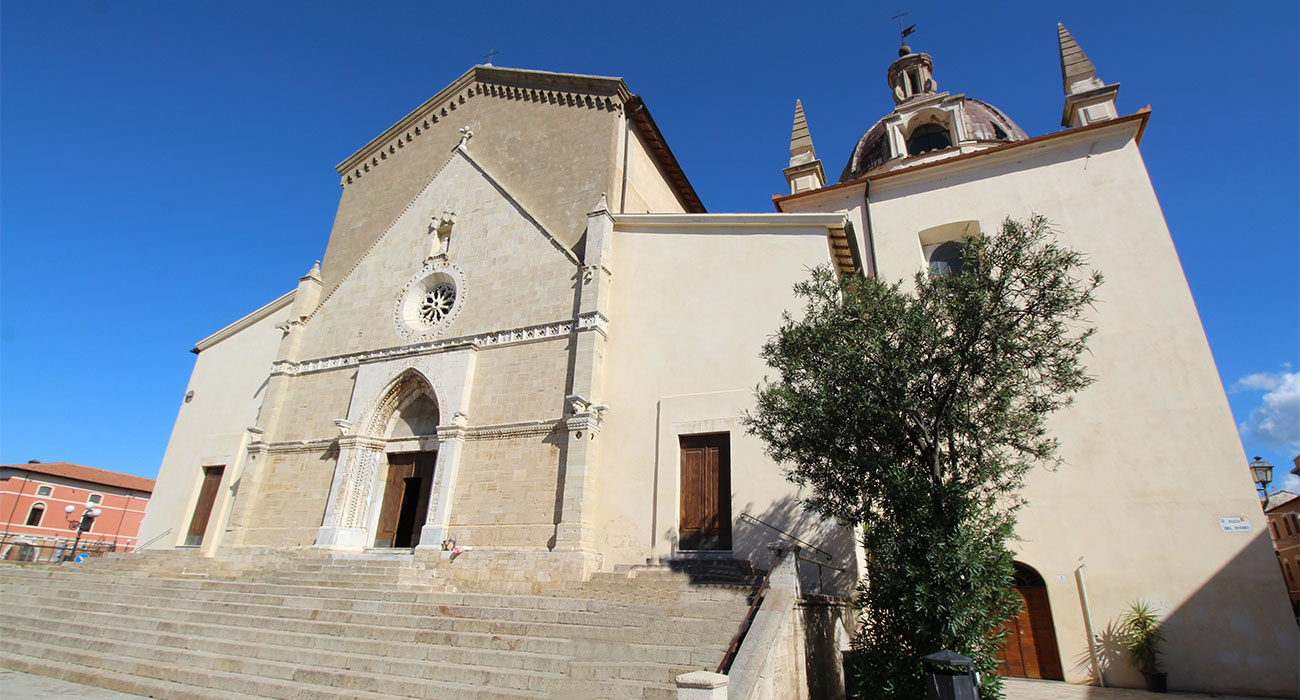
(379,600)
(359,674)
(228,607)
(306,625)
(660,642)
(182,682)
(288,646)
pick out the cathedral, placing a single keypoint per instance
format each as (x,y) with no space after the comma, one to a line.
(527,344)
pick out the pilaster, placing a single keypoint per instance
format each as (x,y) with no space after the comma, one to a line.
(575,531)
(451,445)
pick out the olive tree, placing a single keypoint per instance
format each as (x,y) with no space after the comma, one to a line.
(914,414)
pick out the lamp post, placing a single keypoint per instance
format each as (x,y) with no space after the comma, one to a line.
(1262,473)
(87,519)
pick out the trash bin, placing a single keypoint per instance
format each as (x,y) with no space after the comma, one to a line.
(950,676)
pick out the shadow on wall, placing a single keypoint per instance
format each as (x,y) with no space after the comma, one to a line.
(825,542)
(1234,635)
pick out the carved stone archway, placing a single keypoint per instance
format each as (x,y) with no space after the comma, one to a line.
(352,513)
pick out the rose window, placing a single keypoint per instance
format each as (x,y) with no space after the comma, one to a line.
(430,301)
(437,303)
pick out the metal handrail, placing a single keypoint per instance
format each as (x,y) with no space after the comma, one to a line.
(810,545)
(749,617)
(161,535)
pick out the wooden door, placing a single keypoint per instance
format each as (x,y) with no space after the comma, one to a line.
(406,498)
(400,468)
(203,509)
(1031,650)
(706,492)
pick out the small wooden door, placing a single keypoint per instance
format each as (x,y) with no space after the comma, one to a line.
(1030,650)
(203,509)
(706,492)
(406,497)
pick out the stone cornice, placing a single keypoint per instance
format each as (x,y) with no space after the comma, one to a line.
(566,89)
(697,221)
(555,330)
(268,309)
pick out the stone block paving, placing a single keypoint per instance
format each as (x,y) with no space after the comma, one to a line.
(1022,689)
(16,685)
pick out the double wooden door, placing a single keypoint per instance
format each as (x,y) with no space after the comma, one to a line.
(1031,650)
(706,492)
(406,499)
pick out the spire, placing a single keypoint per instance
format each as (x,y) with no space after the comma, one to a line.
(1087,99)
(800,139)
(1077,72)
(805,171)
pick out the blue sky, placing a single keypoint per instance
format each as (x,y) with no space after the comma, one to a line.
(166,167)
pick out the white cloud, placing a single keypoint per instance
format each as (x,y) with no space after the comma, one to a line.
(1277,422)
(1259,381)
(1284,482)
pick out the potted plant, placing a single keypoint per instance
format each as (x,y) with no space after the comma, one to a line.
(1142,637)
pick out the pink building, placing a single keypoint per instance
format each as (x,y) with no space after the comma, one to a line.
(34,523)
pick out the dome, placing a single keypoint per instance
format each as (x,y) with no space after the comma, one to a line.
(927,121)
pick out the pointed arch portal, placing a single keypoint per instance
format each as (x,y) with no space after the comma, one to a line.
(397,465)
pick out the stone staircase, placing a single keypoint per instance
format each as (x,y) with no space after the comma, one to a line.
(313,626)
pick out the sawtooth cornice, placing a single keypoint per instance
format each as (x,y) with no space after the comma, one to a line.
(542,87)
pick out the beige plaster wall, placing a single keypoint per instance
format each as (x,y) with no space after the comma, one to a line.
(1152,457)
(514,274)
(228,382)
(518,138)
(689,310)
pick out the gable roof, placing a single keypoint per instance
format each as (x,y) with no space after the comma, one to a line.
(612,88)
(91,475)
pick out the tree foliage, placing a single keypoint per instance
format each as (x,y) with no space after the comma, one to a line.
(915,414)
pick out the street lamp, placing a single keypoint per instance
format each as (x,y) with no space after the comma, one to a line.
(87,519)
(1262,473)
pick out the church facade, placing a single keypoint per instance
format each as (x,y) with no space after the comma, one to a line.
(526,335)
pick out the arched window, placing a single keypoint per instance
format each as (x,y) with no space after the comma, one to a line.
(928,137)
(946,259)
(35,514)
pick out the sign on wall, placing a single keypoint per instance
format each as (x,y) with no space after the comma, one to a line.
(1234,524)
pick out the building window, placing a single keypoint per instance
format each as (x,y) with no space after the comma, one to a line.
(35,514)
(1276,535)
(95,499)
(44,490)
(928,137)
(945,258)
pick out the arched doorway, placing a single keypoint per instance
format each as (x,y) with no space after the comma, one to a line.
(1030,650)
(404,506)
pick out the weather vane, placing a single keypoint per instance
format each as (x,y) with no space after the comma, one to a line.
(490,54)
(903,33)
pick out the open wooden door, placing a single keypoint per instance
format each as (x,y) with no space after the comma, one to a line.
(203,508)
(706,492)
(406,497)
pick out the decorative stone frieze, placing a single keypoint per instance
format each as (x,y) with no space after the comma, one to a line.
(594,321)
